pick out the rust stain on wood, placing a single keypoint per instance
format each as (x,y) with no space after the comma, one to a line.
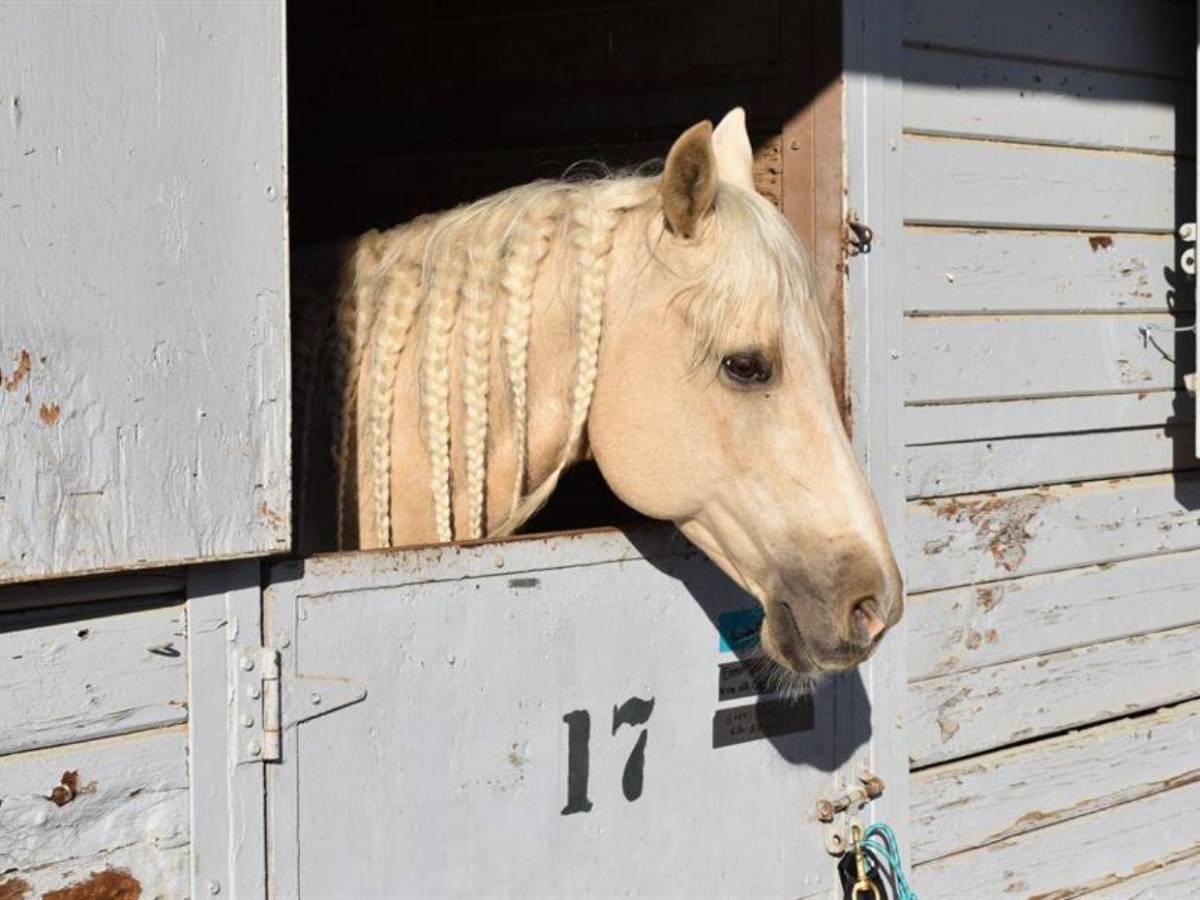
(18,375)
(768,170)
(1001,523)
(48,413)
(1100,242)
(111,884)
(69,789)
(14,889)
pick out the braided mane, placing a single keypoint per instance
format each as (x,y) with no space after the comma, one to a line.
(472,271)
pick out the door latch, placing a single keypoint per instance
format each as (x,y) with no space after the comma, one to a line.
(848,803)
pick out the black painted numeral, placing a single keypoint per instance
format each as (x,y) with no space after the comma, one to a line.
(634,711)
(579,731)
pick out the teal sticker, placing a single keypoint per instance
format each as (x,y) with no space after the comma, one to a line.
(739,629)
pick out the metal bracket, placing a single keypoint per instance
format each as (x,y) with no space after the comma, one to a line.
(859,237)
(848,803)
(269,702)
(1187,234)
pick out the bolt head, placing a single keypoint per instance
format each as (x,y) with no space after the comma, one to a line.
(254,748)
(314,698)
(248,663)
(247,720)
(213,887)
(255,692)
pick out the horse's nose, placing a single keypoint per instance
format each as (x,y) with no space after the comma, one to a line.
(875,609)
(865,620)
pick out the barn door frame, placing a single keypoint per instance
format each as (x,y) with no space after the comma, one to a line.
(875,346)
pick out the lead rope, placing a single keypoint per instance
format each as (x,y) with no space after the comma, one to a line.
(879,844)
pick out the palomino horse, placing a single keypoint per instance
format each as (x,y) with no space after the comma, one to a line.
(665,327)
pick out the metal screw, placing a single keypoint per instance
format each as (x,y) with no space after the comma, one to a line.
(248,663)
(247,721)
(283,640)
(255,692)
(1187,231)
(315,698)
(499,561)
(254,749)
(894,354)
(213,887)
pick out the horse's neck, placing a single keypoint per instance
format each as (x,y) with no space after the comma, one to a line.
(543,320)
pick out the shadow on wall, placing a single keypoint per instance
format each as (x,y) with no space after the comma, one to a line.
(1181,300)
(822,731)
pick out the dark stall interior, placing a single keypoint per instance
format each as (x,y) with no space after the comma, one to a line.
(401,108)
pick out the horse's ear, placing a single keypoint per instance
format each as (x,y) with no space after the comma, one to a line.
(731,145)
(689,180)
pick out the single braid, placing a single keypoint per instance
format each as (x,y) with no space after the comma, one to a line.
(478,292)
(592,236)
(435,381)
(529,245)
(592,230)
(400,299)
(355,313)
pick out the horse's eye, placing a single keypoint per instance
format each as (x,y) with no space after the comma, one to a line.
(747,368)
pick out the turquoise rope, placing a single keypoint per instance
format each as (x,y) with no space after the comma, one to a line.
(881,841)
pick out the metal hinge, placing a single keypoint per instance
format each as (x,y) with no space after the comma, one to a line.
(268,702)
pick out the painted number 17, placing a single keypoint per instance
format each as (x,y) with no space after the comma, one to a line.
(634,711)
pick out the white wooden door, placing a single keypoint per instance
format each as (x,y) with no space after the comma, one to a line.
(567,716)
(143,291)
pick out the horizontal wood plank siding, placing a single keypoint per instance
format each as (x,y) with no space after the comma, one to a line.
(985,184)
(975,271)
(1120,35)
(76,673)
(989,798)
(967,712)
(948,423)
(988,537)
(116,803)
(960,358)
(985,97)
(981,625)
(1052,540)
(941,470)
(1173,877)
(1076,856)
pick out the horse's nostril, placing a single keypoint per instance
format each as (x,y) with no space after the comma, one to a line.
(867,620)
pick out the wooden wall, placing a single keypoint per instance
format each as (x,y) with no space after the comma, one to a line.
(93,740)
(1053,523)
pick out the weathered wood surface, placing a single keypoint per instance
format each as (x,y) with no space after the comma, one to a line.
(961,358)
(989,798)
(76,673)
(1124,35)
(1173,878)
(955,271)
(1073,857)
(143,419)
(944,423)
(985,97)
(957,182)
(966,712)
(986,537)
(117,804)
(982,625)
(941,470)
